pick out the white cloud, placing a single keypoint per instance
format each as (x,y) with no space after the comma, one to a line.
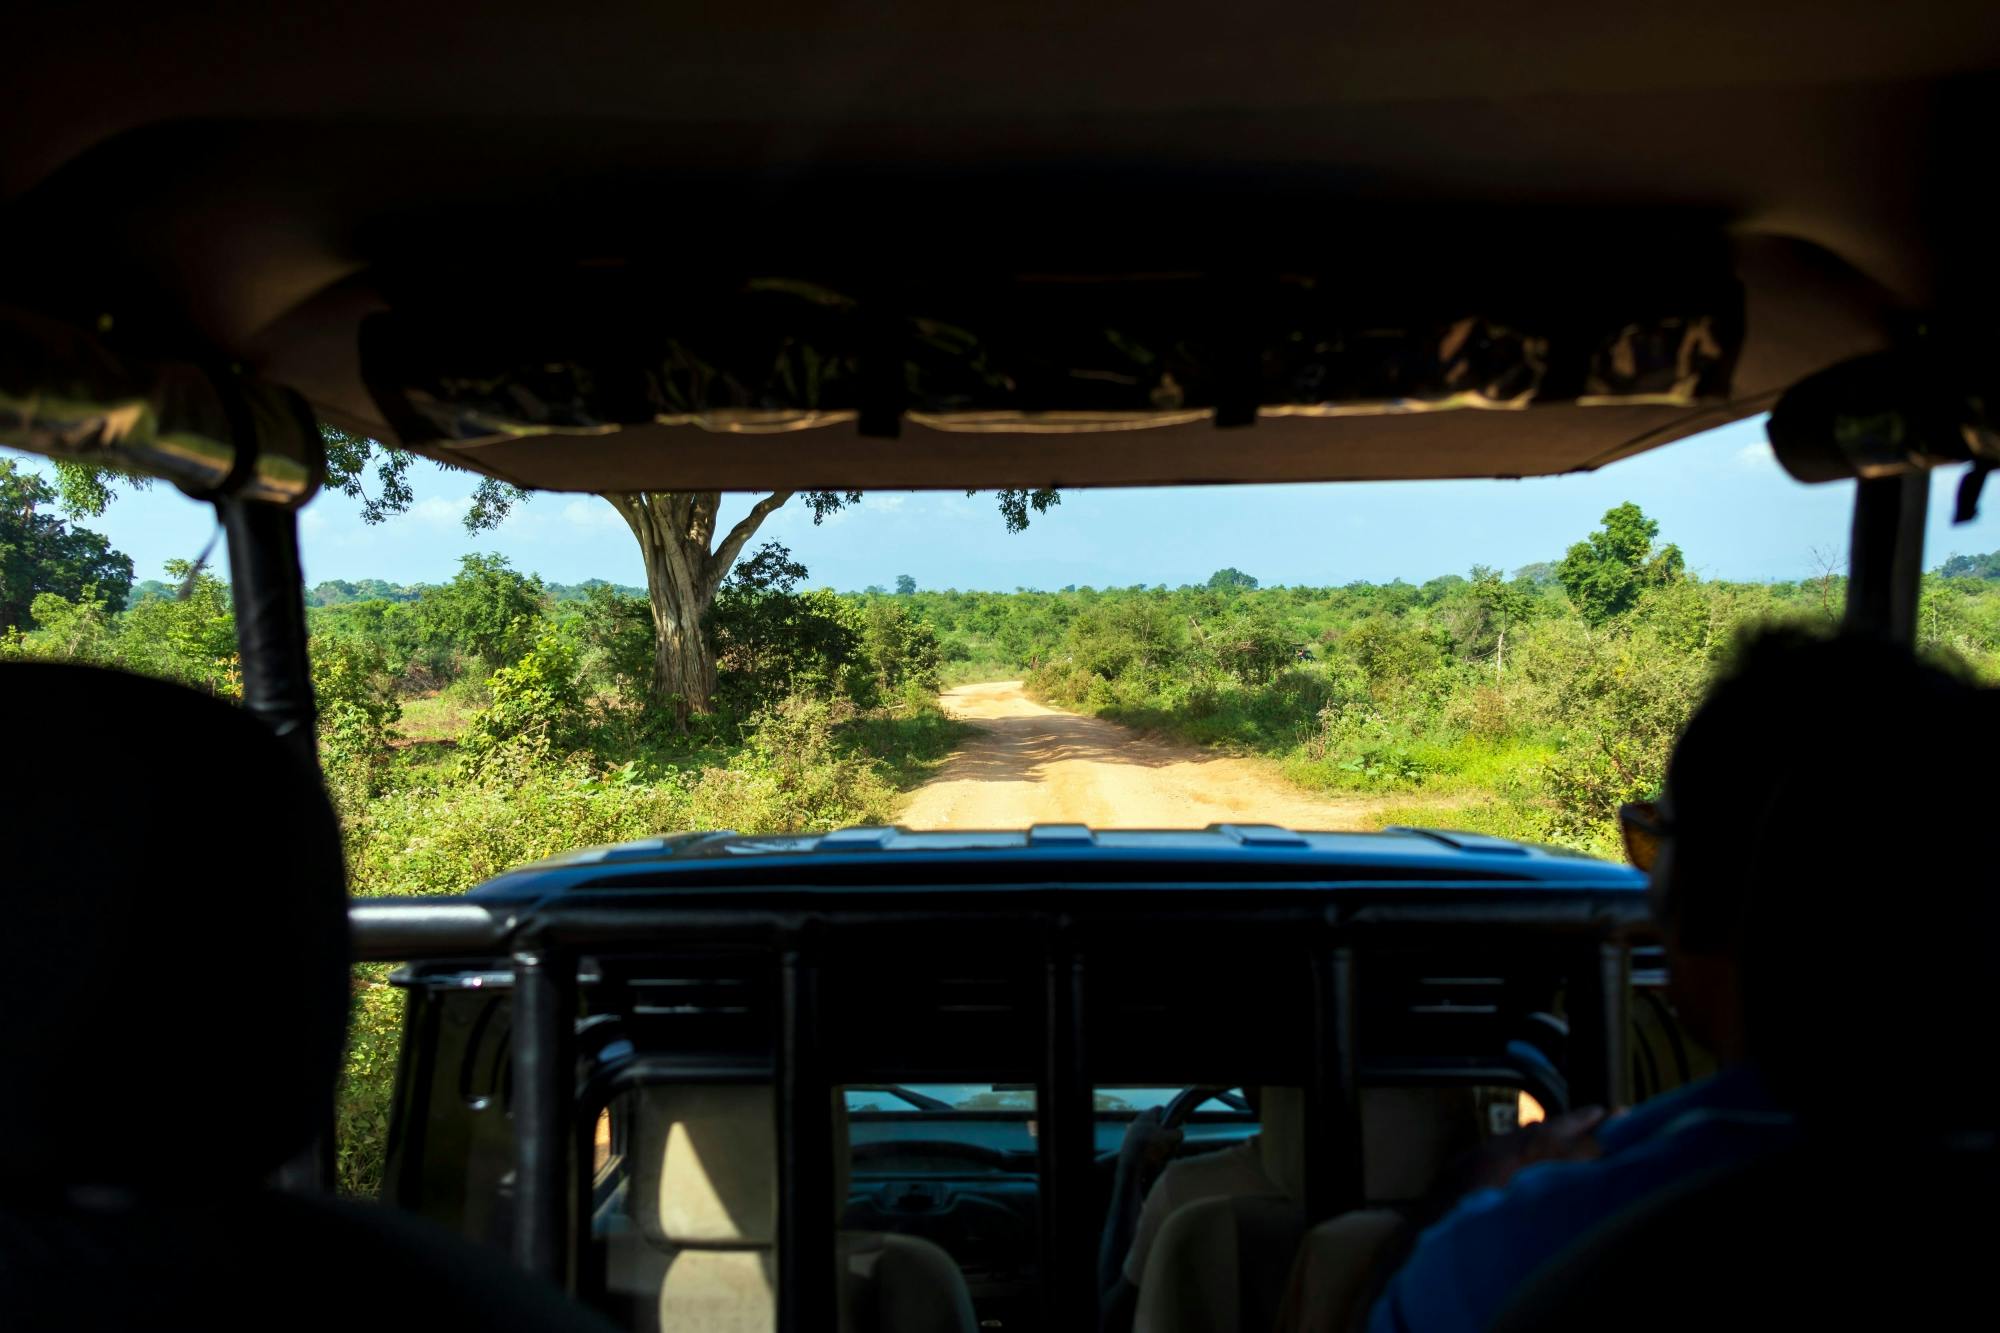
(439,512)
(1756,456)
(311,521)
(592,515)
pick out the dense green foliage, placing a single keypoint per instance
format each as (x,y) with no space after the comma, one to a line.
(1972,566)
(41,552)
(339,592)
(1528,706)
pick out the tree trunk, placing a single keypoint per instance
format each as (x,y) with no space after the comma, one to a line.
(675,529)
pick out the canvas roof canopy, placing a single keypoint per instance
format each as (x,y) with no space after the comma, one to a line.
(894,244)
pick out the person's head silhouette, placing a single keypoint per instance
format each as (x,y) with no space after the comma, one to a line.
(1815,855)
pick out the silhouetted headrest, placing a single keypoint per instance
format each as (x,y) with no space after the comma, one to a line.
(1408,1136)
(174,992)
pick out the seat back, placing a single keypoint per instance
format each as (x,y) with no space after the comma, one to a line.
(704,1200)
(1225,1265)
(704,1195)
(152,835)
(1408,1136)
(158,841)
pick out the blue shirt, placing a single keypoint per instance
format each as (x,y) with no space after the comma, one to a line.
(1464,1270)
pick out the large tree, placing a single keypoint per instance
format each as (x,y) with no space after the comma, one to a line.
(685,557)
(41,552)
(1606,571)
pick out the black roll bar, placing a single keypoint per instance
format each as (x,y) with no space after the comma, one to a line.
(267,589)
(807,1210)
(1886,555)
(1333,1179)
(1600,990)
(543,1041)
(1066,1142)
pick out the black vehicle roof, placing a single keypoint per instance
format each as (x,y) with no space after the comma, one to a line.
(890,859)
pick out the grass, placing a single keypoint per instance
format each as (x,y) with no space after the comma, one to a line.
(1470,813)
(911,746)
(442,717)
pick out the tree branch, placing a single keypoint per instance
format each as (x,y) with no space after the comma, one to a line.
(746,528)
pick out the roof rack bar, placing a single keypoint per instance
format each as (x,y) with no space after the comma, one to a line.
(807,1210)
(543,1076)
(1068,1147)
(863,838)
(1261,835)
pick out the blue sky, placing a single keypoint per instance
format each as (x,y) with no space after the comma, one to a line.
(1721,496)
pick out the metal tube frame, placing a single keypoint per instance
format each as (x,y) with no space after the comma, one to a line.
(544,948)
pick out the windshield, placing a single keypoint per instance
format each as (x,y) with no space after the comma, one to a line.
(503,677)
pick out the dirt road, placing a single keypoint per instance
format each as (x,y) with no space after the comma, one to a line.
(1031,764)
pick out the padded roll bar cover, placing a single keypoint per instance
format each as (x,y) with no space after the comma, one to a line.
(174,899)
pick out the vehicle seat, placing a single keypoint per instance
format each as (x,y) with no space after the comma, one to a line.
(1412,1135)
(1225,1265)
(704,1198)
(172,1012)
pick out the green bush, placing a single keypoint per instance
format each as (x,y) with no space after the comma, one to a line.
(520,804)
(354,689)
(615,632)
(773,641)
(489,612)
(538,701)
(901,649)
(1621,696)
(793,776)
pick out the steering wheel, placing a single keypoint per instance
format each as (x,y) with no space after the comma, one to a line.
(1185,1102)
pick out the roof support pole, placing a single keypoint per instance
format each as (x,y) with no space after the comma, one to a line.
(267,592)
(267,589)
(1065,1111)
(1886,555)
(1600,1020)
(808,1214)
(544,1096)
(1333,1098)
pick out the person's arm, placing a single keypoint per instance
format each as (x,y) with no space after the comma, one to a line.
(1569,1137)
(1456,1259)
(1145,1150)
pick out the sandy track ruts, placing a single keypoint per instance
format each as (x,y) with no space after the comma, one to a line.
(1031,764)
